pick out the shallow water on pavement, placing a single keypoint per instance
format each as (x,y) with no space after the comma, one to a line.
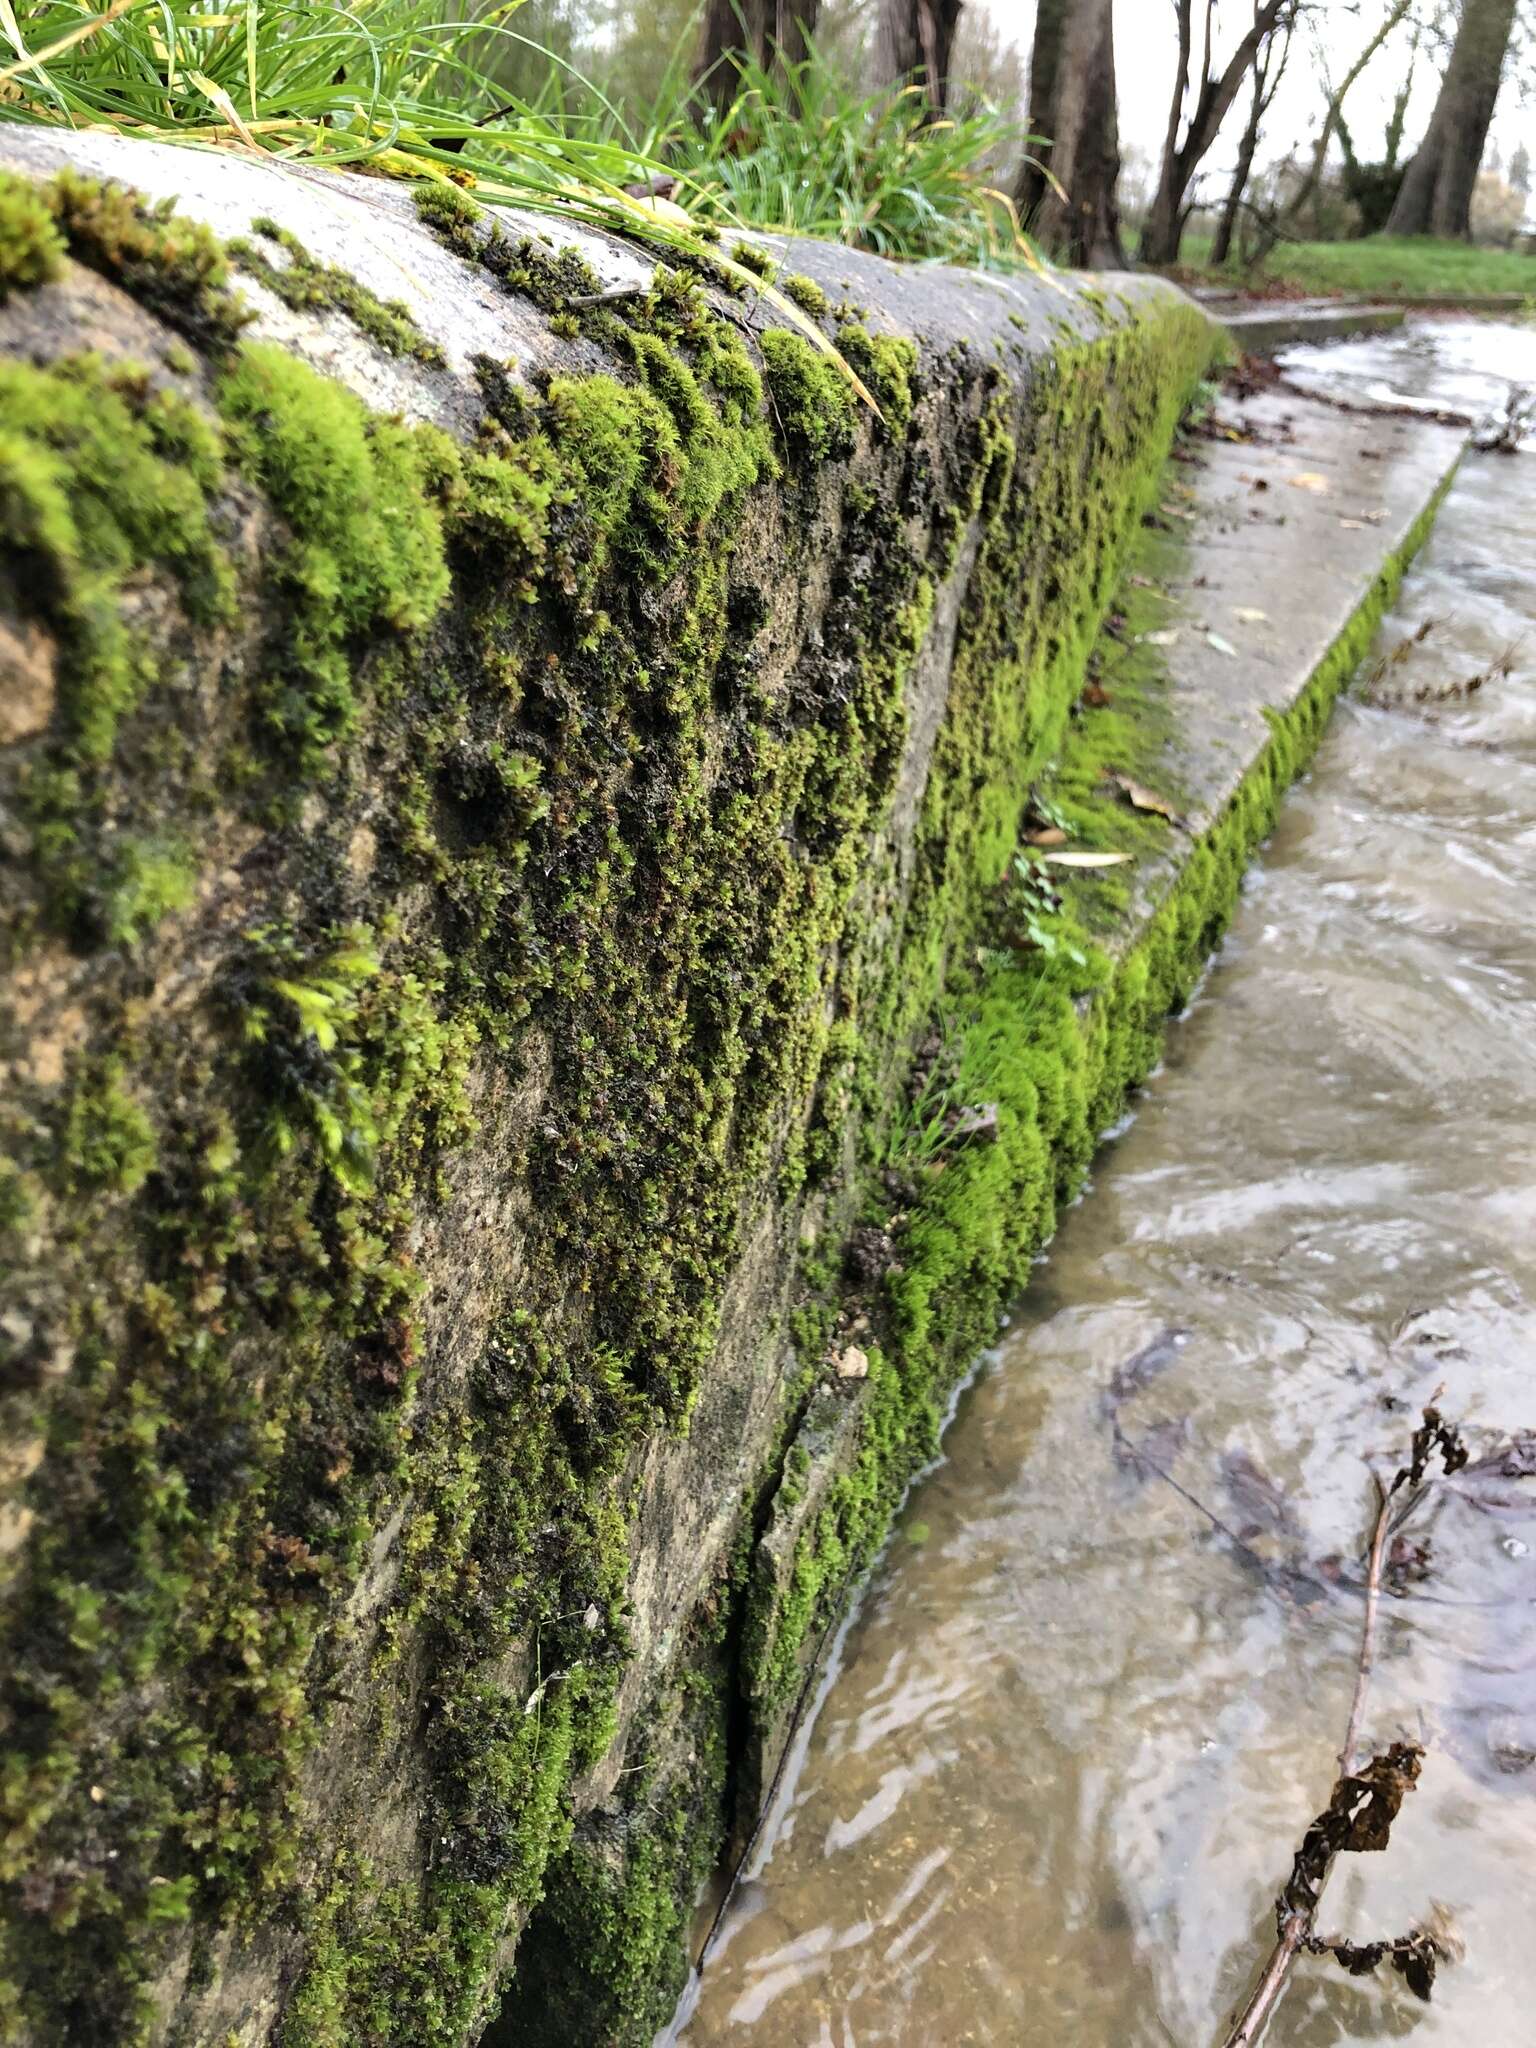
(1072,1738)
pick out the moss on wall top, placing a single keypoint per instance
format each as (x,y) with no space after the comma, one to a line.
(449,904)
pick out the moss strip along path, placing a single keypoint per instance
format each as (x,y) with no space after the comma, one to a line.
(497,785)
(1034,1056)
(1235,628)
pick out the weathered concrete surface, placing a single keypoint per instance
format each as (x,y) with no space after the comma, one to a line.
(1297,523)
(1261,329)
(467,903)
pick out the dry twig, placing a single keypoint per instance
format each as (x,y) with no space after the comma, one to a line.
(1364,1802)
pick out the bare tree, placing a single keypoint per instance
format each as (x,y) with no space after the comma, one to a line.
(1268,71)
(752,31)
(1068,192)
(913,43)
(1213,95)
(1334,114)
(1435,197)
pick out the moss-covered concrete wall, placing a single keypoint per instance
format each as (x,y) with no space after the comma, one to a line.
(502,754)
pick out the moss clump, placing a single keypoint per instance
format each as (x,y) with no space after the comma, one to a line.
(759,261)
(806,293)
(813,404)
(886,364)
(175,267)
(358,496)
(31,247)
(101,475)
(310,286)
(453,216)
(106,1142)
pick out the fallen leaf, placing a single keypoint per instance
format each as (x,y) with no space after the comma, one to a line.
(1248,615)
(1046,835)
(1142,1368)
(1140,798)
(1309,480)
(1221,646)
(1261,1506)
(1165,638)
(1156,1450)
(1095,696)
(1088,860)
(1354,525)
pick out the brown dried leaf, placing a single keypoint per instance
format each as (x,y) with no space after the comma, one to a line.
(1140,798)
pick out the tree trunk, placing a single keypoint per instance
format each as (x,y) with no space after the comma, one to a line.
(1435,197)
(1333,113)
(732,29)
(1072,106)
(1213,98)
(794,25)
(1226,227)
(913,43)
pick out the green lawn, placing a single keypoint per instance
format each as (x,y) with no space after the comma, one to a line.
(1392,266)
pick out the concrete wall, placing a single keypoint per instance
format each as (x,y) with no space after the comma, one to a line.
(501,755)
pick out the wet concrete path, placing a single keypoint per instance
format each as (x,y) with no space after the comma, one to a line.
(1071,1739)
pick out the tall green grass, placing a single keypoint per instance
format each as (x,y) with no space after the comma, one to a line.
(391,82)
(802,150)
(410,87)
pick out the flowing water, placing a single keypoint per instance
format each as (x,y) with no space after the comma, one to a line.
(1072,1736)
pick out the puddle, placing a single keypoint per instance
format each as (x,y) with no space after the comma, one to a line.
(1071,1739)
(1463,365)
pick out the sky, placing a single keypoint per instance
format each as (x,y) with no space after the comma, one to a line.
(1146,51)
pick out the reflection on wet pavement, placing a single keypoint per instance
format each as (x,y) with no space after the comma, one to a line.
(1072,1737)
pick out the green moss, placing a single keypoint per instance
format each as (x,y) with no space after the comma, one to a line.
(175,267)
(885,363)
(759,261)
(806,293)
(367,546)
(525,702)
(310,286)
(31,247)
(453,216)
(102,476)
(107,1141)
(813,405)
(150,880)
